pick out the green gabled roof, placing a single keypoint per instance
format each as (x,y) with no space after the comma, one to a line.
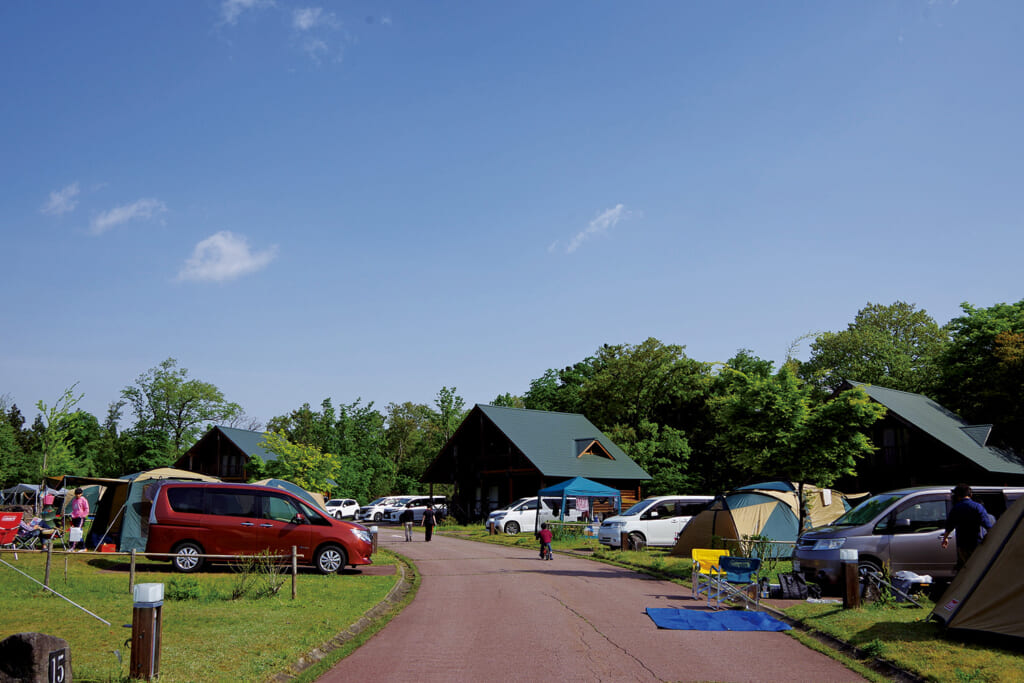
(248,442)
(946,427)
(551,441)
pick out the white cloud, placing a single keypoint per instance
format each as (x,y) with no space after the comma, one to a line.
(604,222)
(143,209)
(230,10)
(224,256)
(316,49)
(62,201)
(307,17)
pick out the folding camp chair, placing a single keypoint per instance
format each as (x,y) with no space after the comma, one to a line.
(738,579)
(705,570)
(9,522)
(28,535)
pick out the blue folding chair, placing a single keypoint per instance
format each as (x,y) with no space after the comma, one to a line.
(738,579)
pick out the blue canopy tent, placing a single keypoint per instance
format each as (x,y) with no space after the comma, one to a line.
(579,487)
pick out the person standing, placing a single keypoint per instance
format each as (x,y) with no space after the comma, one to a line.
(967,517)
(79,513)
(428,522)
(406,518)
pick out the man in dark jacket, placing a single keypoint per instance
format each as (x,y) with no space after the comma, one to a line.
(967,517)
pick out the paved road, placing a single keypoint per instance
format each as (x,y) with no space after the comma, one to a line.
(492,613)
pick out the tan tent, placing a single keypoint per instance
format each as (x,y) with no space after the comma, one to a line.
(770,511)
(987,594)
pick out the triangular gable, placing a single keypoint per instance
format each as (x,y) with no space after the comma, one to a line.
(591,447)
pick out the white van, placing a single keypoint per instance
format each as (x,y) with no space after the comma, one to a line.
(374,511)
(522,514)
(653,521)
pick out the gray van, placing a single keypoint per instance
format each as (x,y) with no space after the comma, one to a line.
(899,530)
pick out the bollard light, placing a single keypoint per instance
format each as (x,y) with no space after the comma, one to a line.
(148,593)
(147,618)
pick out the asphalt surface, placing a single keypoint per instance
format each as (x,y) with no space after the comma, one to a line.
(493,613)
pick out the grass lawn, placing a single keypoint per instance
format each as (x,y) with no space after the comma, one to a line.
(210,637)
(895,632)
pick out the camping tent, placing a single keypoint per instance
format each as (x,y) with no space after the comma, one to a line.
(769,510)
(25,494)
(122,514)
(987,594)
(314,498)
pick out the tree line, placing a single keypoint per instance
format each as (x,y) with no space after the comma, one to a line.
(695,426)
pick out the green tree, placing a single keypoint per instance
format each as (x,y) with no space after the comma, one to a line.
(772,427)
(982,370)
(300,464)
(663,452)
(896,346)
(57,457)
(649,382)
(559,390)
(164,399)
(408,443)
(19,453)
(507,400)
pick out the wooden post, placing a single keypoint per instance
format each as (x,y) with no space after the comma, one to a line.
(131,573)
(49,560)
(295,571)
(851,578)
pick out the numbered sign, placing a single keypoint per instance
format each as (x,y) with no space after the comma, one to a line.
(57,673)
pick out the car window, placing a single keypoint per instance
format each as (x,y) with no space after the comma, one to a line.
(232,503)
(313,516)
(186,499)
(866,511)
(994,502)
(279,508)
(922,514)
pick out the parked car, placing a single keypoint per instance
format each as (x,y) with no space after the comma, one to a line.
(418,504)
(898,530)
(374,511)
(522,514)
(342,507)
(191,519)
(653,521)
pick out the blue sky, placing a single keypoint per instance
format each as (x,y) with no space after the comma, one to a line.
(367,200)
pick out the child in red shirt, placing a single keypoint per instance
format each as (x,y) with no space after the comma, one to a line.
(545,542)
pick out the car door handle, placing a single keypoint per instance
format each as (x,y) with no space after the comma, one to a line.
(267,525)
(248,524)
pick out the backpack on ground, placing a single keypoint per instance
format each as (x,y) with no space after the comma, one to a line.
(794,587)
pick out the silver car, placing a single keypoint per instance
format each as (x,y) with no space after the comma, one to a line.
(897,531)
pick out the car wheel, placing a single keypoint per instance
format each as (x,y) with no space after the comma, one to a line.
(330,559)
(187,557)
(512,528)
(338,515)
(377,516)
(636,540)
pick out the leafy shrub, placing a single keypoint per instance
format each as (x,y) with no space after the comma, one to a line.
(184,588)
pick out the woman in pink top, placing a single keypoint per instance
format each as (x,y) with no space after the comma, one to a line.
(79,512)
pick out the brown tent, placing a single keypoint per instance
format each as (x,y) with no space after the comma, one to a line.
(987,594)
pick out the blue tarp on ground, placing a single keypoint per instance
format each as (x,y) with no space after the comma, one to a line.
(696,620)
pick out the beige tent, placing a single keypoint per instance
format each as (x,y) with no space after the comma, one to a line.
(770,511)
(987,594)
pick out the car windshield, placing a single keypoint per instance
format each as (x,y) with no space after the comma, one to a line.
(335,502)
(867,511)
(638,508)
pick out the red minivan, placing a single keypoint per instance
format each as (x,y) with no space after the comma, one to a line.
(191,519)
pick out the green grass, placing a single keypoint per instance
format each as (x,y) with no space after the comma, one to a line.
(210,638)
